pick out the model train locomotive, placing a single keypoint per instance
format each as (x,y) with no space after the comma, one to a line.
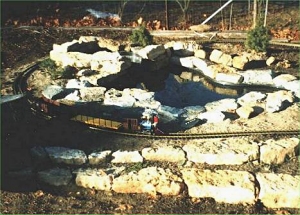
(147,124)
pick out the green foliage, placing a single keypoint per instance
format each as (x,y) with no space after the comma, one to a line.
(55,72)
(258,38)
(141,36)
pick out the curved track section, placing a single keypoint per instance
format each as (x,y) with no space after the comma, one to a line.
(20,86)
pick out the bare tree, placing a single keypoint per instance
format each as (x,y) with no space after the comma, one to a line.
(121,7)
(254,13)
(184,6)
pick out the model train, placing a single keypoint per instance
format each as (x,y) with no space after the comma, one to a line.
(147,124)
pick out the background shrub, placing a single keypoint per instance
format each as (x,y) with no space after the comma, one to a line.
(258,38)
(141,36)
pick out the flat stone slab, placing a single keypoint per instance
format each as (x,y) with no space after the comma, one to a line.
(219,152)
(55,176)
(99,179)
(98,157)
(276,151)
(66,155)
(127,157)
(223,185)
(279,190)
(150,180)
(164,154)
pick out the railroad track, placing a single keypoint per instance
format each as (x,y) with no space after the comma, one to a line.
(20,86)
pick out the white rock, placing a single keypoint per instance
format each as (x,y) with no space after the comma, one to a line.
(66,155)
(74,83)
(55,177)
(210,71)
(283,80)
(151,51)
(99,179)
(106,56)
(279,190)
(226,105)
(127,157)
(98,157)
(260,77)
(232,78)
(116,97)
(74,59)
(171,112)
(139,94)
(199,64)
(74,96)
(213,116)
(294,86)
(186,75)
(63,47)
(150,180)
(270,61)
(200,54)
(226,60)
(164,154)
(278,100)
(221,152)
(215,56)
(251,98)
(50,91)
(240,62)
(276,151)
(245,111)
(223,185)
(183,61)
(90,94)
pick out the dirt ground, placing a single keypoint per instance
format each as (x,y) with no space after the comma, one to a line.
(21,131)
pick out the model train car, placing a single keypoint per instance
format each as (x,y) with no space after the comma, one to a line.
(48,107)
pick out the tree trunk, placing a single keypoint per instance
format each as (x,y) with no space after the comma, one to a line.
(254,13)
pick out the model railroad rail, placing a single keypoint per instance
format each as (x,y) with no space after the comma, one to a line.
(126,126)
(202,135)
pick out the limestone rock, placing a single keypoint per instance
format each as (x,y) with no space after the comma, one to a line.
(183,61)
(231,78)
(260,77)
(200,54)
(220,152)
(215,56)
(240,62)
(199,64)
(73,59)
(127,157)
(226,60)
(223,185)
(139,94)
(151,51)
(279,190)
(66,156)
(150,180)
(213,116)
(116,97)
(98,157)
(55,177)
(283,80)
(276,151)
(52,90)
(226,105)
(294,86)
(210,71)
(251,98)
(110,44)
(270,61)
(186,75)
(74,83)
(164,154)
(63,47)
(245,111)
(99,179)
(90,94)
(278,100)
